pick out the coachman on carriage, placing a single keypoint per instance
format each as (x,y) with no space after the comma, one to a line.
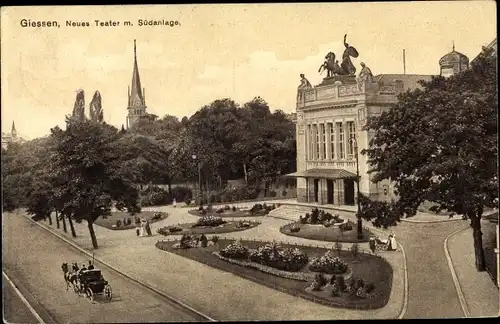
(87,282)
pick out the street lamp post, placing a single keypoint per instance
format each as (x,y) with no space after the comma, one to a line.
(358,213)
(200,194)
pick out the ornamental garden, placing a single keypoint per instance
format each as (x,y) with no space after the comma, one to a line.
(323,226)
(334,277)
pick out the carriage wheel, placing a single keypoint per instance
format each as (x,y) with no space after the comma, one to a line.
(89,294)
(108,292)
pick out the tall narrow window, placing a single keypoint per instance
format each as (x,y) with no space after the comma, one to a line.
(352,133)
(309,141)
(323,140)
(341,141)
(316,131)
(332,140)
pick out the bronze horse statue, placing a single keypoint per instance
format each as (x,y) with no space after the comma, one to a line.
(331,66)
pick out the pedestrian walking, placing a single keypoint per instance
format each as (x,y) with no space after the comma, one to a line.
(174,203)
(372,244)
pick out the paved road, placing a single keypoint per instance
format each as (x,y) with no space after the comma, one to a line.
(431,292)
(14,310)
(35,257)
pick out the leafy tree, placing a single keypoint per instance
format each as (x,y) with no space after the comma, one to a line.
(440,145)
(86,154)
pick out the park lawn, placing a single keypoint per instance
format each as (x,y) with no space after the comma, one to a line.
(109,221)
(226,213)
(370,268)
(327,234)
(187,229)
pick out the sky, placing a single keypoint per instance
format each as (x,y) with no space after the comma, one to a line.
(216,51)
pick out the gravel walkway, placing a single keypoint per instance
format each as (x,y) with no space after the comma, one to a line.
(196,284)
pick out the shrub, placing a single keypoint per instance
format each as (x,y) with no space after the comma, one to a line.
(355,250)
(234,208)
(243,224)
(187,201)
(215,239)
(359,284)
(335,290)
(295,228)
(209,208)
(320,279)
(339,280)
(118,223)
(328,264)
(314,216)
(173,229)
(315,285)
(227,207)
(209,221)
(370,288)
(235,251)
(346,227)
(203,240)
(154,196)
(220,211)
(156,216)
(255,209)
(350,284)
(272,194)
(200,208)
(283,193)
(274,256)
(181,193)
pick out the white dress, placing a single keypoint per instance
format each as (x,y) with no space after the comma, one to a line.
(394,244)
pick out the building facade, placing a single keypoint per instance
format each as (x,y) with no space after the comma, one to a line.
(330,136)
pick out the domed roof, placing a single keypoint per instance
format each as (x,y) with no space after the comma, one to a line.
(453,57)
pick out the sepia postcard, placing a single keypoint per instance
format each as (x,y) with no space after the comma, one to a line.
(249,162)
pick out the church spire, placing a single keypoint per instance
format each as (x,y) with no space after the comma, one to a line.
(13,130)
(136,98)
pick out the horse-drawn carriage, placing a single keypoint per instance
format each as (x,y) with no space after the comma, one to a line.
(88,283)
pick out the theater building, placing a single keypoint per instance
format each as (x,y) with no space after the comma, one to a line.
(331,113)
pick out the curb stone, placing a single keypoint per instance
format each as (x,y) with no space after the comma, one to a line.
(460,293)
(23,299)
(84,251)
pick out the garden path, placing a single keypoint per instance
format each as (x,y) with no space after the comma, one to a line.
(195,283)
(431,291)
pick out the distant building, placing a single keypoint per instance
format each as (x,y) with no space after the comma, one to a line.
(453,63)
(137,98)
(11,137)
(331,113)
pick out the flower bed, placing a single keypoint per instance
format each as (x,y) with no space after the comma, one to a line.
(209,221)
(372,269)
(194,228)
(300,276)
(275,256)
(127,220)
(346,232)
(328,264)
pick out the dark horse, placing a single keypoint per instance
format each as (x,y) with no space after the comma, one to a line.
(70,277)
